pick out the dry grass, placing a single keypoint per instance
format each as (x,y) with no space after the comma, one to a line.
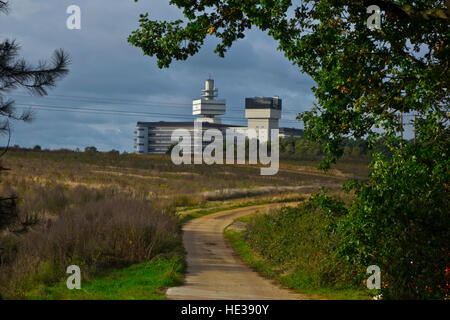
(150,176)
(105,210)
(97,236)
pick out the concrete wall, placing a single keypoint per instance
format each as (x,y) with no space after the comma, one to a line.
(141,140)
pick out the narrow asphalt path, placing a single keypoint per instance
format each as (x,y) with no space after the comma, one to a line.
(215,271)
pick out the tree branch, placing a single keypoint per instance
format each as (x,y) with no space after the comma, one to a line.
(4,6)
(409,12)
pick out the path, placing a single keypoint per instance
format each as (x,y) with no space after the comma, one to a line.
(215,271)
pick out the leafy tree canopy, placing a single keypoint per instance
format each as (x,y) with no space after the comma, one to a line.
(363,77)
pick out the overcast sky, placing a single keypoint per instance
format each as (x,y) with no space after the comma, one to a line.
(108,73)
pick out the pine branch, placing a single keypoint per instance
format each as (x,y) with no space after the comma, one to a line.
(21,74)
(16,73)
(4,6)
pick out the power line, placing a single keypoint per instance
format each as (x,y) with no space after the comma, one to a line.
(118,112)
(108,101)
(140,113)
(99,111)
(134,102)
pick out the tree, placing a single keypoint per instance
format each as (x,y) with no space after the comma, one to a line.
(114,152)
(17,73)
(91,149)
(363,77)
(363,80)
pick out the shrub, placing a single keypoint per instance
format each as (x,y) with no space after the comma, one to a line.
(400,219)
(296,242)
(400,222)
(90,149)
(8,249)
(97,236)
(186,201)
(8,211)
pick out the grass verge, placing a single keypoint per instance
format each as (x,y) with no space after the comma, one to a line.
(200,211)
(273,271)
(118,244)
(143,281)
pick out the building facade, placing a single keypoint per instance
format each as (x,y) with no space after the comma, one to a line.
(155,137)
(262,113)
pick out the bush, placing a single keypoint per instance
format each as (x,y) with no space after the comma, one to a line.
(296,242)
(400,221)
(8,211)
(8,249)
(90,149)
(97,236)
(56,197)
(186,201)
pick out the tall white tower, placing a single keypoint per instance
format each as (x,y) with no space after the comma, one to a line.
(209,107)
(263,113)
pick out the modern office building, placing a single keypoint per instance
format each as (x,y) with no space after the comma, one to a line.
(155,137)
(261,112)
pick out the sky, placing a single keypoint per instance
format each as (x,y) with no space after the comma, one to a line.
(106,72)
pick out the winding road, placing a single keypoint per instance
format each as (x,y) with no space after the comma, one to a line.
(214,269)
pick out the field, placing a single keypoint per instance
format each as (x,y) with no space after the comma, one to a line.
(118,216)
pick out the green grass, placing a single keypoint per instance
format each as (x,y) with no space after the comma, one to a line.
(290,280)
(245,219)
(202,210)
(251,257)
(143,281)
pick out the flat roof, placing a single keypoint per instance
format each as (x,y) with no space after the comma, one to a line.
(263,103)
(290,129)
(183,124)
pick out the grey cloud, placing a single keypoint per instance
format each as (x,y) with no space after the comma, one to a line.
(105,65)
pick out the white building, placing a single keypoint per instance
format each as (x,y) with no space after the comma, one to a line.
(262,113)
(209,107)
